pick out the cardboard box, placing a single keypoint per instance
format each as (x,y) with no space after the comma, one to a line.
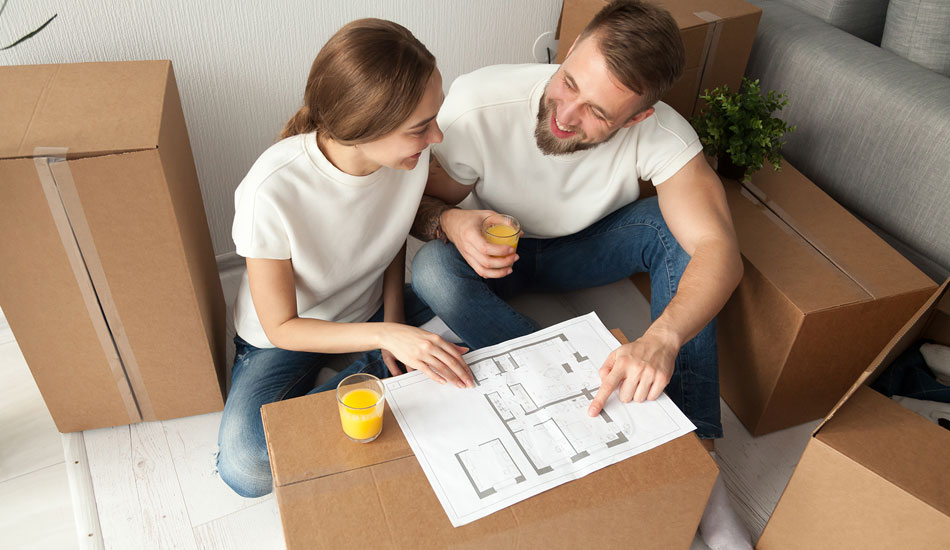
(819,289)
(107,274)
(820,297)
(874,474)
(333,493)
(717,35)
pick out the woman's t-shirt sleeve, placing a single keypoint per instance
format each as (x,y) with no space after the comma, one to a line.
(259,229)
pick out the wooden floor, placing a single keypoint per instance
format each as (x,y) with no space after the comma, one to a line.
(153,484)
(35,506)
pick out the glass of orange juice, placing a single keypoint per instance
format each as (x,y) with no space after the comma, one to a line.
(361,402)
(501,229)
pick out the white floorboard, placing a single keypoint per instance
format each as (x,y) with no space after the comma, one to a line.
(192,442)
(137,489)
(29,440)
(254,528)
(36,511)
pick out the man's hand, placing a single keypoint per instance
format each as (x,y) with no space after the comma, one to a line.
(464,229)
(641,369)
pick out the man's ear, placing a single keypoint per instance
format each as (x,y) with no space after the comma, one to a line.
(639,117)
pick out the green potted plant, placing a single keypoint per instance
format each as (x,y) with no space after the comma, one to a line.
(739,130)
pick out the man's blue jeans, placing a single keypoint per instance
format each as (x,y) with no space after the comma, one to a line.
(630,240)
(265,375)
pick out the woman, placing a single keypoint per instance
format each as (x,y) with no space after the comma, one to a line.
(322,219)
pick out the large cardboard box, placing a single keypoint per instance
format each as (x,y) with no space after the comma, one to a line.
(107,274)
(874,474)
(334,494)
(820,297)
(717,34)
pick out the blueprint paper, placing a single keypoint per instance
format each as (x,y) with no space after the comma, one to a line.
(524,428)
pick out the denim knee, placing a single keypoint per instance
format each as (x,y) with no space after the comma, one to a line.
(245,468)
(433,270)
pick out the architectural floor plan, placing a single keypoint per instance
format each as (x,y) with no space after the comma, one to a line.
(524,428)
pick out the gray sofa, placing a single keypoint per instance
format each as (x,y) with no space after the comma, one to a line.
(873,125)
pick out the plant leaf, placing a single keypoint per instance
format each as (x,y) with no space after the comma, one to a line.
(30,35)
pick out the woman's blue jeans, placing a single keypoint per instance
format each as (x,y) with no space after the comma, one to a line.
(633,239)
(265,375)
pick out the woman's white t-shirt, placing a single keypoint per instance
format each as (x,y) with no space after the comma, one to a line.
(339,231)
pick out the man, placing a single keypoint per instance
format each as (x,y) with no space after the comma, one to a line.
(561,148)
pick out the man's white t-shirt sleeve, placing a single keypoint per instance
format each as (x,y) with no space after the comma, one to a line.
(664,150)
(458,155)
(258,229)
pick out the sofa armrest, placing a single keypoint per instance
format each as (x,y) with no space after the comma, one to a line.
(873,128)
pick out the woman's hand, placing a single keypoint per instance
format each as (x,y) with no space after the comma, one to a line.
(430,353)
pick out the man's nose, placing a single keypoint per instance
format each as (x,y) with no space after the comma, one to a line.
(568,113)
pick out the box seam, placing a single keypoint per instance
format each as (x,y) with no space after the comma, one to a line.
(36,107)
(321,476)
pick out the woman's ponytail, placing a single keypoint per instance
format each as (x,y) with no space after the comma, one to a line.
(301,123)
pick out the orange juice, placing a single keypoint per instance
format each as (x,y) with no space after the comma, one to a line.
(501,229)
(361,419)
(502,234)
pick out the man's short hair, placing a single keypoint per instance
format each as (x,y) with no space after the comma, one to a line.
(642,46)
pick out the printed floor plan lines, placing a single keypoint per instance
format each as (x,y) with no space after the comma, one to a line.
(489,467)
(548,420)
(524,427)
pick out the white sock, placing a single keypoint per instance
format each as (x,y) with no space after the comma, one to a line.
(721,528)
(937,358)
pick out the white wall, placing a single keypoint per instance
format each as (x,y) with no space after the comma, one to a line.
(241,69)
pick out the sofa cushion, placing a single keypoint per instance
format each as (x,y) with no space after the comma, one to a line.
(873,128)
(862,18)
(919,30)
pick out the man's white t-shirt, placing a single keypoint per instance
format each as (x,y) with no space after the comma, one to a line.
(488,119)
(339,231)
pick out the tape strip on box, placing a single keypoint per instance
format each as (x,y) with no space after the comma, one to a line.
(66,209)
(712,44)
(809,237)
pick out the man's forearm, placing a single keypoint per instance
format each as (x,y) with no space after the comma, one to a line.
(710,277)
(428,223)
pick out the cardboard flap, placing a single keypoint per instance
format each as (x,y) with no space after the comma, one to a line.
(20,95)
(911,331)
(894,443)
(857,251)
(785,258)
(305,440)
(92,108)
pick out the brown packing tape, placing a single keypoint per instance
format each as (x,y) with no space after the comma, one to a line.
(746,194)
(811,239)
(712,44)
(65,207)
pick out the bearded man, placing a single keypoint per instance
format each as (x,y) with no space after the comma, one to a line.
(562,149)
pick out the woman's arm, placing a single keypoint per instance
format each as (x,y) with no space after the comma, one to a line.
(394,310)
(275,300)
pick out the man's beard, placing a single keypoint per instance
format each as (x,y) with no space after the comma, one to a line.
(549,144)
